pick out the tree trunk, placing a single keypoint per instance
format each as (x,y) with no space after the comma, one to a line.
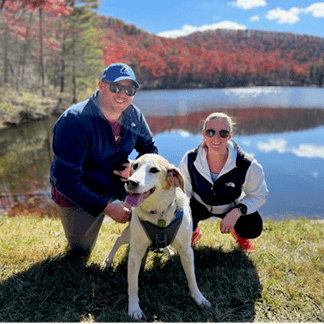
(74,100)
(42,72)
(5,58)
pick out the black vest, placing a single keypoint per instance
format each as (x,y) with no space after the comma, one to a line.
(227,187)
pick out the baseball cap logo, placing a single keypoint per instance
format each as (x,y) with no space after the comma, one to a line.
(125,70)
(118,72)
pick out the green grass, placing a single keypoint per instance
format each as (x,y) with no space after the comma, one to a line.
(282,281)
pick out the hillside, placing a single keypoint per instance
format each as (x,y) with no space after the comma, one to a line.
(301,48)
(62,49)
(219,58)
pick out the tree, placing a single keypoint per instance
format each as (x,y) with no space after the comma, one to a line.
(23,28)
(81,54)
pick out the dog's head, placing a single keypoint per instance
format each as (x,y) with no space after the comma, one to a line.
(149,174)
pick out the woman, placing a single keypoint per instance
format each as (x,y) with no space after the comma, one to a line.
(223,181)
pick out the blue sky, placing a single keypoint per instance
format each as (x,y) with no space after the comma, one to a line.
(172,18)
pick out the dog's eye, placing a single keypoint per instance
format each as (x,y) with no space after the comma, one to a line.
(154,170)
(135,166)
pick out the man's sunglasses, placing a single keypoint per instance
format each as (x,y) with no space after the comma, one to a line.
(211,132)
(117,88)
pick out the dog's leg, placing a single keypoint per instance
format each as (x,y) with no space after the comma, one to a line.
(136,254)
(187,261)
(122,239)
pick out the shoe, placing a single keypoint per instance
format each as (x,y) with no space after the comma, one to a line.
(196,235)
(245,244)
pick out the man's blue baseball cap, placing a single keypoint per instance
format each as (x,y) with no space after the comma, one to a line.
(119,71)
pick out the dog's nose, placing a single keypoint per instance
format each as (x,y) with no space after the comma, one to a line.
(131,184)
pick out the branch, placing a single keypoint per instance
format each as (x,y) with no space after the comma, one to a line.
(2,4)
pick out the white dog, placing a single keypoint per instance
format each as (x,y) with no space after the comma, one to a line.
(156,194)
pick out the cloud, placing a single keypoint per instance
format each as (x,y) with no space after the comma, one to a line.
(316,9)
(255,19)
(183,133)
(188,29)
(309,151)
(246,143)
(291,16)
(283,16)
(281,146)
(248,4)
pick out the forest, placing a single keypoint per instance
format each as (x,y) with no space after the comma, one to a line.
(53,52)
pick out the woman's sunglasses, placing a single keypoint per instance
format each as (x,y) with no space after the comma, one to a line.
(117,88)
(222,133)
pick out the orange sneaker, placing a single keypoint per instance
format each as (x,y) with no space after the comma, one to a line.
(245,244)
(196,235)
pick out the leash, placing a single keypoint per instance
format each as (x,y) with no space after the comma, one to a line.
(162,236)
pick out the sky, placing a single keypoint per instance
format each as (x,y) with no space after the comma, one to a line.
(175,18)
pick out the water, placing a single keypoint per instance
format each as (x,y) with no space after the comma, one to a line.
(282,128)
(179,102)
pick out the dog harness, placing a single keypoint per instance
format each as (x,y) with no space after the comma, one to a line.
(162,236)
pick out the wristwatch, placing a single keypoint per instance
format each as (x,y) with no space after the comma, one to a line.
(242,208)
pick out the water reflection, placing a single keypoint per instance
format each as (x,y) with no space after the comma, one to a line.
(248,120)
(292,161)
(178,102)
(25,155)
(287,142)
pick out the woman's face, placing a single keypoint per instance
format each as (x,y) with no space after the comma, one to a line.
(216,143)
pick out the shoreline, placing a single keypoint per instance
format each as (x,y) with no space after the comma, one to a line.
(21,111)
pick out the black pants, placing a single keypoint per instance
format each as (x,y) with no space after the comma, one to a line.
(248,226)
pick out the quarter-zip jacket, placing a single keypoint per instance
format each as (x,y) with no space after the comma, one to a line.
(86,154)
(249,188)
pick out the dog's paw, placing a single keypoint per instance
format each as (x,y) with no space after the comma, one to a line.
(202,301)
(205,303)
(107,263)
(135,312)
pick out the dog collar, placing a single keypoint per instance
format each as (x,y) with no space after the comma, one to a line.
(161,237)
(153,211)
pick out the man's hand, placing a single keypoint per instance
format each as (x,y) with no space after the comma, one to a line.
(229,221)
(119,212)
(124,174)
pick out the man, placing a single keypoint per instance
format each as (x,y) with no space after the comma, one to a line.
(92,141)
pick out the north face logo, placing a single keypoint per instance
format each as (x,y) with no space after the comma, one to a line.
(124,70)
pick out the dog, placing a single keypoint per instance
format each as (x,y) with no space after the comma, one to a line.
(156,193)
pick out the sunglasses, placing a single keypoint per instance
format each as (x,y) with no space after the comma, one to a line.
(222,133)
(117,88)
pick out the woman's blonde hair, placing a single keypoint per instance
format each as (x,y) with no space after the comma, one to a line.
(217,116)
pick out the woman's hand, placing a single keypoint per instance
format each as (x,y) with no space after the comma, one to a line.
(119,212)
(229,221)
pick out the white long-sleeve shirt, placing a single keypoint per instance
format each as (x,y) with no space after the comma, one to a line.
(254,188)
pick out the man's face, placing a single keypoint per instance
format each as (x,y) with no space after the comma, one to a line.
(114,102)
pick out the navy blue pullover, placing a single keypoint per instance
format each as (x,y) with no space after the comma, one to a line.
(86,154)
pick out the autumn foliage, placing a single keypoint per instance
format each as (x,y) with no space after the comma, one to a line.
(219,58)
(56,43)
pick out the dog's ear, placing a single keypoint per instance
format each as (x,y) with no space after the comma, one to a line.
(131,167)
(175,178)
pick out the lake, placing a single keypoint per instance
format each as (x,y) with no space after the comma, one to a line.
(283,128)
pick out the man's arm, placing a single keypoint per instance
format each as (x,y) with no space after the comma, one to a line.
(70,149)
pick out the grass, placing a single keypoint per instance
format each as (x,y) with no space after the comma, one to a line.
(282,281)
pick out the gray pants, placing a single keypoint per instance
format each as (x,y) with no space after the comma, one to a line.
(81,229)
